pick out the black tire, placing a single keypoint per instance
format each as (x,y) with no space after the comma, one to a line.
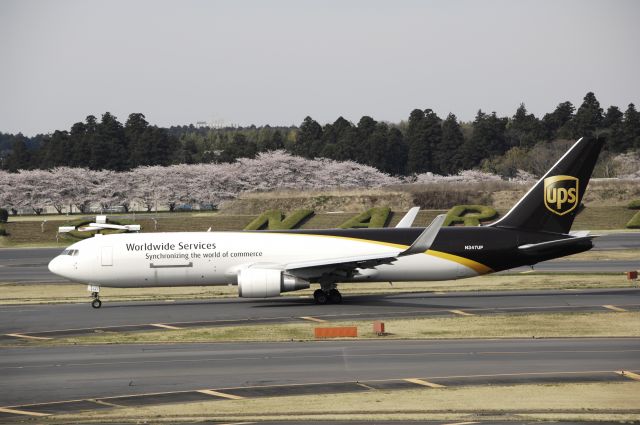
(320,297)
(335,297)
(96,303)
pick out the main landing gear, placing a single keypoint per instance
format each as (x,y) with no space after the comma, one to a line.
(322,296)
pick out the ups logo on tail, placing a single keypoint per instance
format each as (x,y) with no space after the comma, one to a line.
(561,194)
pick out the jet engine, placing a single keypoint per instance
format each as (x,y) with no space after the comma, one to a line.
(265,283)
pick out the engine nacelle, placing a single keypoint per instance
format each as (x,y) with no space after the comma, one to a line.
(265,283)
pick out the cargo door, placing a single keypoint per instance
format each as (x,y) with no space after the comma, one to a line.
(107,256)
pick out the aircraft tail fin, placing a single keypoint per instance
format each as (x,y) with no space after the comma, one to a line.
(552,203)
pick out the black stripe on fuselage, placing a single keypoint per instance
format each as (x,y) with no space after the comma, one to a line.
(494,247)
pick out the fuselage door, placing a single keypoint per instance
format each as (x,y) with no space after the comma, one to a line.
(107,256)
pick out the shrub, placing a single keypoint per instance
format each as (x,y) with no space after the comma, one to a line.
(4,215)
(3,230)
(469,215)
(634,205)
(634,223)
(272,220)
(373,217)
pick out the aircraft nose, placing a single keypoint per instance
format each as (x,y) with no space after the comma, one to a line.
(55,266)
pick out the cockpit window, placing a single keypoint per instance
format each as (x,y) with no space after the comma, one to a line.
(72,252)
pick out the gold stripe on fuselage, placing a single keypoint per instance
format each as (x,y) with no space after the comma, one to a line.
(473,265)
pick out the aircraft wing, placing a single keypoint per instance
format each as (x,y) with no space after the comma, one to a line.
(346,266)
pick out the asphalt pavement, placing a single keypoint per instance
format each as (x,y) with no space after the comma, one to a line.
(47,374)
(65,319)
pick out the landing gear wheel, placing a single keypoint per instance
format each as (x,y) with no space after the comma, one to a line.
(96,303)
(335,297)
(320,297)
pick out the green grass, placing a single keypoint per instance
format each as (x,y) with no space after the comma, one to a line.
(634,223)
(538,325)
(371,218)
(634,205)
(470,215)
(272,220)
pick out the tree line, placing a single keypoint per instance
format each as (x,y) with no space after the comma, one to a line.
(425,142)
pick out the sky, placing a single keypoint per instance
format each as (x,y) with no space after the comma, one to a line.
(275,62)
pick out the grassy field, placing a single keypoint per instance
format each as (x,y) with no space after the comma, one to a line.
(30,231)
(541,325)
(549,402)
(71,293)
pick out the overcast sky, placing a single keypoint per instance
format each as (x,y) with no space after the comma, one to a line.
(275,62)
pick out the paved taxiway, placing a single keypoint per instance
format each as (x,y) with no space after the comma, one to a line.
(229,311)
(44,374)
(30,265)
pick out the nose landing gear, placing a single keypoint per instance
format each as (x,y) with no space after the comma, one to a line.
(96,303)
(95,294)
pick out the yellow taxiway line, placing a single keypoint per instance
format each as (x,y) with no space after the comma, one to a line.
(160,325)
(613,307)
(424,383)
(27,336)
(461,313)
(629,375)
(21,412)
(313,319)
(219,394)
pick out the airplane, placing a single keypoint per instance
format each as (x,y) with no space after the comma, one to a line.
(266,264)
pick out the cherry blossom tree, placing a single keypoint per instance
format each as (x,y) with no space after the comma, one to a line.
(201,185)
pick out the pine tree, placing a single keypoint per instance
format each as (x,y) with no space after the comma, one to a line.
(397,151)
(524,129)
(109,150)
(20,156)
(139,143)
(308,136)
(488,139)
(631,128)
(588,117)
(423,136)
(448,156)
(558,123)
(378,147)
(612,121)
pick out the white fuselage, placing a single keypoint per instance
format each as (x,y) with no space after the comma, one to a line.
(214,258)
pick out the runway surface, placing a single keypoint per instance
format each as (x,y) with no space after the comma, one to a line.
(30,265)
(34,319)
(46,374)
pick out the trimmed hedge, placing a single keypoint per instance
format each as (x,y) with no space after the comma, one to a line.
(634,205)
(634,223)
(469,215)
(272,220)
(373,217)
(4,215)
(3,230)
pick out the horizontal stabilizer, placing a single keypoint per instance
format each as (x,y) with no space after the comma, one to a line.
(545,246)
(426,238)
(579,233)
(408,218)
